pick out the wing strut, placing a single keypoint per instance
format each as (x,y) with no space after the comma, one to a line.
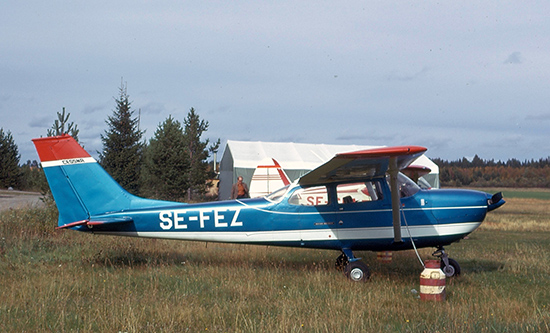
(393,170)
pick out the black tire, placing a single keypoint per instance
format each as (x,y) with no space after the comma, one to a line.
(341,262)
(453,269)
(357,271)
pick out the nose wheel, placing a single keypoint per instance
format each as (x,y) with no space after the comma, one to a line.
(449,266)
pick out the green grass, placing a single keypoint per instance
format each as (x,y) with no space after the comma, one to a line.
(64,280)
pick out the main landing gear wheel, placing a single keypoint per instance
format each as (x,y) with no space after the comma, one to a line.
(357,271)
(451,270)
(353,268)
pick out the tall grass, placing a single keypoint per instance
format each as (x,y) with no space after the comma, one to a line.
(64,280)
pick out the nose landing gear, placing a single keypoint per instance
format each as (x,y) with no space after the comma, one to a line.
(449,266)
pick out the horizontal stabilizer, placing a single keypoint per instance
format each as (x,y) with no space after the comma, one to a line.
(99,221)
(73,224)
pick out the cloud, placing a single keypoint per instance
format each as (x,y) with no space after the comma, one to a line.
(4,97)
(88,109)
(383,137)
(351,137)
(408,77)
(39,122)
(514,59)
(220,109)
(153,108)
(538,117)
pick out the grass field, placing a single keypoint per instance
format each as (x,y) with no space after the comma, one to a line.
(64,280)
(522,193)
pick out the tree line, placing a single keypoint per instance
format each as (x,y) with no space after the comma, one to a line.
(173,165)
(478,172)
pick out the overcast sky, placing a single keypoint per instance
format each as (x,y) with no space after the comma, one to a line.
(460,78)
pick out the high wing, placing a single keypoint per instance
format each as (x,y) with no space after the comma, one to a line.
(365,165)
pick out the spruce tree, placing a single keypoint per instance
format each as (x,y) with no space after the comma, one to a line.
(122,147)
(33,178)
(58,127)
(10,174)
(197,152)
(165,166)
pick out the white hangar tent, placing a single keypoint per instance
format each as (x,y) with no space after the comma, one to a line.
(241,158)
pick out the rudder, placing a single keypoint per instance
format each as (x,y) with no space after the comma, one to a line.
(80,186)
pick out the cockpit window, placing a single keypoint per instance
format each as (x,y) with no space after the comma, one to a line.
(406,186)
(310,196)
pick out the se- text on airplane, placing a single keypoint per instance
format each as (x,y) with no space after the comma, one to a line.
(356,201)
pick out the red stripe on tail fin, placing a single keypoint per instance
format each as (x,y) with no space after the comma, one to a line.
(282,174)
(56,148)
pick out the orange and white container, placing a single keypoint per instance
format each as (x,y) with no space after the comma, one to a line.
(432,282)
(384,257)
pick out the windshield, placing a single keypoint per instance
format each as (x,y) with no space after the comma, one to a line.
(407,187)
(423,183)
(277,195)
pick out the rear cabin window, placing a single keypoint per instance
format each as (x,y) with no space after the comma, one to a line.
(359,192)
(310,196)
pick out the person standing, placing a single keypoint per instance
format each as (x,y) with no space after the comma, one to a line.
(239,189)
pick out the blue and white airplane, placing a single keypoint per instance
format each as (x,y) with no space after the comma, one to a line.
(356,201)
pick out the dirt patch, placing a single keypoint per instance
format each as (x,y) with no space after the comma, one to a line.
(19,199)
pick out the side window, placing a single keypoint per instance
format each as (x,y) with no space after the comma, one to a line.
(359,192)
(310,196)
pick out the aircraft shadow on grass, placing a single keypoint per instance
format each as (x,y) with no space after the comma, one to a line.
(402,268)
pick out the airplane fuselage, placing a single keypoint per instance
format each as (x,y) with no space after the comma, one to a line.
(427,218)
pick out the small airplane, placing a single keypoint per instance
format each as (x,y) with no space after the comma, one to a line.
(355,201)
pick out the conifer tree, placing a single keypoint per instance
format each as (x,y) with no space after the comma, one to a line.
(33,178)
(10,174)
(165,166)
(197,152)
(58,127)
(122,147)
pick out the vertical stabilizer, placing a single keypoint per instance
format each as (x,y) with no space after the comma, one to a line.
(268,177)
(80,186)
